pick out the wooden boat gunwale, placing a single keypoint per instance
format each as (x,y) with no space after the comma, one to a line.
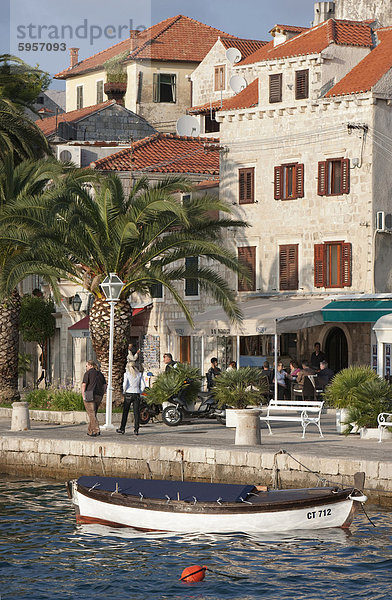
(254,504)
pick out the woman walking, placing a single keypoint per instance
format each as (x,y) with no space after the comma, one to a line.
(93,389)
(133,386)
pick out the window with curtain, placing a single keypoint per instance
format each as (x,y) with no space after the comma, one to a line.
(333,177)
(289,182)
(164,87)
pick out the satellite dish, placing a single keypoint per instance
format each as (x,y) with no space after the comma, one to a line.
(188,126)
(233,55)
(237,83)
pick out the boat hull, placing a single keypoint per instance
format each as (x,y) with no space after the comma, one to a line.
(180,517)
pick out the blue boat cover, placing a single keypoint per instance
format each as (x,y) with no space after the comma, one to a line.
(159,489)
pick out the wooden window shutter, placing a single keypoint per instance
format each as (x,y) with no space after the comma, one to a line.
(278,177)
(156,95)
(246,185)
(247,256)
(288,267)
(302,84)
(319,265)
(345,175)
(275,87)
(322,178)
(216,82)
(299,181)
(346,264)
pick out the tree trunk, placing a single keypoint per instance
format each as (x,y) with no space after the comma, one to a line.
(9,343)
(100,331)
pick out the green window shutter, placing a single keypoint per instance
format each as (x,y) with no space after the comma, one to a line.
(156,87)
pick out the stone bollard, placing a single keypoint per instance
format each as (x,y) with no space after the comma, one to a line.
(247,432)
(20,420)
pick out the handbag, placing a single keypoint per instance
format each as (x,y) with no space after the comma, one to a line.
(89,395)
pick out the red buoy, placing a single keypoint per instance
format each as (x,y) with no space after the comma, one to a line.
(193,574)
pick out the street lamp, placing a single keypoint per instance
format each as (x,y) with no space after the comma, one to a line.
(76,302)
(111,287)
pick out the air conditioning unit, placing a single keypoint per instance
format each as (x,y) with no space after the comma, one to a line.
(383,221)
(70,154)
(380,221)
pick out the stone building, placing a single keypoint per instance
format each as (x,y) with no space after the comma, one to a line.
(306,160)
(157,156)
(158,63)
(108,121)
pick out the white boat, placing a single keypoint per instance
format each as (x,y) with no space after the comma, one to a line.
(190,507)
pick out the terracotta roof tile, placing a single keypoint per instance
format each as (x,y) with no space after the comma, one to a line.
(165,153)
(247,98)
(246,47)
(367,73)
(313,41)
(207,184)
(48,125)
(290,28)
(178,38)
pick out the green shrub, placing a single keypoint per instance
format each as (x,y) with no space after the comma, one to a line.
(240,388)
(170,384)
(343,389)
(372,398)
(54,399)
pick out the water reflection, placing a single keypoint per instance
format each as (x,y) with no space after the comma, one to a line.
(43,554)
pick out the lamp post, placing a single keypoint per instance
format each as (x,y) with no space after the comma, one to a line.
(111,287)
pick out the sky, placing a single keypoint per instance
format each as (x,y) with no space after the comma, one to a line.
(97,24)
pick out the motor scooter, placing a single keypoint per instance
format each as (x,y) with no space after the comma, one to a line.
(179,409)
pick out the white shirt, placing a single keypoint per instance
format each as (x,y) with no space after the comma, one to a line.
(133,385)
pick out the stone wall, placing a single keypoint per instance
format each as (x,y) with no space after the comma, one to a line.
(63,459)
(364,9)
(113,124)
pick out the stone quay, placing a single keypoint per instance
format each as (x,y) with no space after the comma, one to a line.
(198,450)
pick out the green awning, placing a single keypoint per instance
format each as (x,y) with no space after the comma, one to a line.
(356,311)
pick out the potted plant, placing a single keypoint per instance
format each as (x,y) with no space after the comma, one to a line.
(167,385)
(342,392)
(372,398)
(116,78)
(241,389)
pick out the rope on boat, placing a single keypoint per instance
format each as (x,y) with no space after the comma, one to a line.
(322,480)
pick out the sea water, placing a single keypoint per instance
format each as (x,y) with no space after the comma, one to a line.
(44,555)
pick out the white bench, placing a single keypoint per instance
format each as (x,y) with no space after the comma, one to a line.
(384,421)
(304,412)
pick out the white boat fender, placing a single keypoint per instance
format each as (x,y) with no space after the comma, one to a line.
(361,498)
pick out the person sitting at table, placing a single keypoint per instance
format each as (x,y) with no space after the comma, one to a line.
(294,370)
(325,375)
(267,371)
(305,371)
(281,377)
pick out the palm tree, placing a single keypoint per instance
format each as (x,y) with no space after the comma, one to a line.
(18,183)
(83,232)
(19,135)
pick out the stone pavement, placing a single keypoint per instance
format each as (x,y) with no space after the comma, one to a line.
(201,450)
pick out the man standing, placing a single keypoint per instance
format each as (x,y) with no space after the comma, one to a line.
(213,371)
(317,357)
(93,389)
(169,362)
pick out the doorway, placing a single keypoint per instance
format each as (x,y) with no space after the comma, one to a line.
(336,349)
(185,349)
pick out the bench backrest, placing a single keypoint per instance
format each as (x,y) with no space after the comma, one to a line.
(296,405)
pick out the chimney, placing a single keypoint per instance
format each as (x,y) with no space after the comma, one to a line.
(323,11)
(134,42)
(74,52)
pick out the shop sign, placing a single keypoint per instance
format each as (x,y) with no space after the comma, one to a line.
(261,330)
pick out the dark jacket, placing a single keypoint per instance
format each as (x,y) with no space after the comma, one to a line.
(303,373)
(211,374)
(170,366)
(316,359)
(324,377)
